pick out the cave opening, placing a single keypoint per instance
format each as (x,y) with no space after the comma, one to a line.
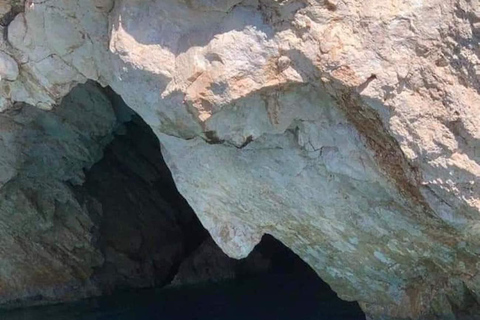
(149,237)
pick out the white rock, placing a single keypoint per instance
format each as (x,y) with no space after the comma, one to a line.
(8,67)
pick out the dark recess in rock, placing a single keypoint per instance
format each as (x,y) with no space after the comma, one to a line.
(146,227)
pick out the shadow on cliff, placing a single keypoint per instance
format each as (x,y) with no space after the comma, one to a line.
(179,26)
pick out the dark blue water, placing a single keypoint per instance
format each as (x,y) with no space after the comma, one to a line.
(270,297)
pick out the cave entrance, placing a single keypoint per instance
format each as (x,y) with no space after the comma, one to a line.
(147,234)
(146,220)
(145,228)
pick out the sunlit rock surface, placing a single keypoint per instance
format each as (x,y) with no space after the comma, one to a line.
(347,129)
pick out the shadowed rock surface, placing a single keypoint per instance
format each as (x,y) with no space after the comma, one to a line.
(91,206)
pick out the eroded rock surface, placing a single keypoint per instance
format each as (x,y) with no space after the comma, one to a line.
(347,129)
(87,204)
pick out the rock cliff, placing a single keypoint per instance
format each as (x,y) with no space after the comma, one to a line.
(347,129)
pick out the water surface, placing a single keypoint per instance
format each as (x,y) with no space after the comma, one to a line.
(270,297)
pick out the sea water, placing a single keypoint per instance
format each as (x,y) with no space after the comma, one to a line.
(269,297)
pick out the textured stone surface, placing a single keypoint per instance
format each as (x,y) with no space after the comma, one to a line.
(346,129)
(46,245)
(8,67)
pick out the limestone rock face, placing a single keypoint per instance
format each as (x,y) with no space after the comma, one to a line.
(346,129)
